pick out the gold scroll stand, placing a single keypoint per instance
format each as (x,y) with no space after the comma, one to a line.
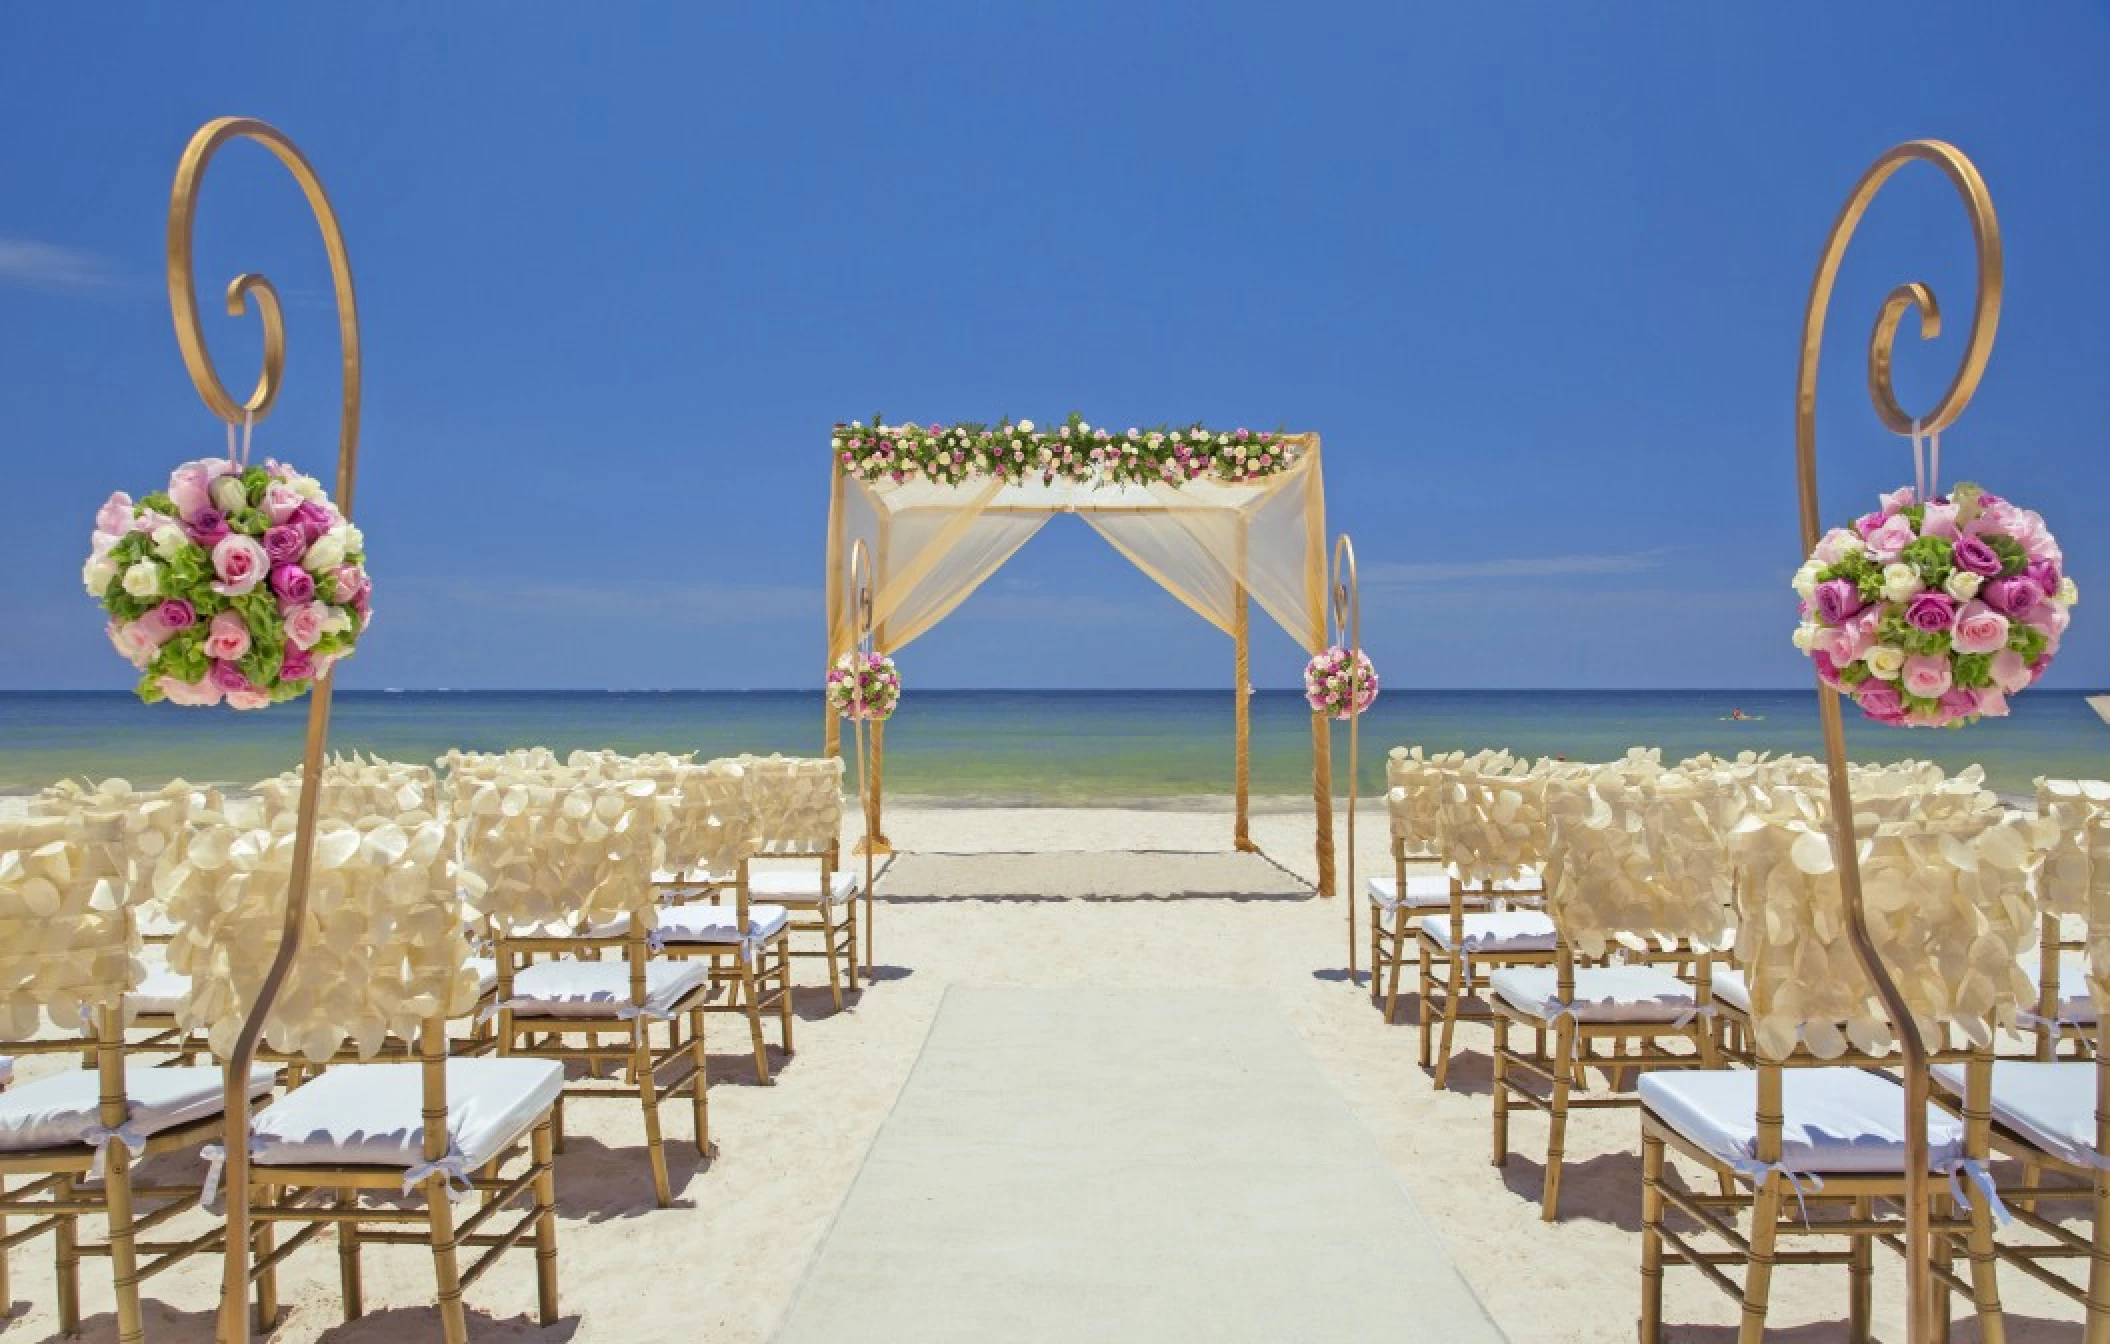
(1985,318)
(872,844)
(190,337)
(1347,615)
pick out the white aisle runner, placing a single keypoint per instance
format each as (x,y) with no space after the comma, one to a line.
(1087,1164)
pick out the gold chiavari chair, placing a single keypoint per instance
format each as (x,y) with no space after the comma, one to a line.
(1398,900)
(2064,1012)
(797,864)
(1492,831)
(68,947)
(1639,875)
(558,861)
(376,1151)
(1806,1154)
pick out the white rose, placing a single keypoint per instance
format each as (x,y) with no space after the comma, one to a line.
(169,541)
(1083,428)
(1805,581)
(354,539)
(1025,426)
(1223,438)
(326,553)
(143,579)
(1850,544)
(228,495)
(1901,582)
(337,621)
(1962,585)
(97,574)
(308,488)
(2068,594)
(1886,661)
(1806,635)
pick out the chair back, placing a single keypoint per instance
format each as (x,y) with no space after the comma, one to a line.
(68,945)
(798,803)
(354,789)
(1637,859)
(552,853)
(382,952)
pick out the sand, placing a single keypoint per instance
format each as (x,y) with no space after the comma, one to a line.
(724,1264)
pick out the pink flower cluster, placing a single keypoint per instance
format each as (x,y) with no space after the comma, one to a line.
(864,686)
(1328,678)
(235,585)
(1933,614)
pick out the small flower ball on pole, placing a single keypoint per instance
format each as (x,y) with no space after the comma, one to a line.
(1327,678)
(236,585)
(1932,614)
(864,686)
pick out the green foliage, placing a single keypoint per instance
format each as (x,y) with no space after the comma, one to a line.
(1853,674)
(2026,640)
(2013,557)
(1973,671)
(1931,559)
(158,502)
(249,522)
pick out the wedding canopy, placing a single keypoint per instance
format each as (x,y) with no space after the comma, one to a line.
(1212,540)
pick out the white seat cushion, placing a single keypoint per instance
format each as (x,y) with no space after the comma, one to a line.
(66,1107)
(7,1069)
(2076,1006)
(786,882)
(1602,993)
(373,1114)
(486,969)
(1425,891)
(160,990)
(699,923)
(1494,931)
(1833,1119)
(1731,989)
(2049,1103)
(567,987)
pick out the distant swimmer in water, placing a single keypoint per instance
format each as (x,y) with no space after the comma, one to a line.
(1737,715)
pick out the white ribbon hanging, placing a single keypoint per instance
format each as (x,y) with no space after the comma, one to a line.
(248,428)
(216,1162)
(1983,1179)
(1759,1171)
(100,1138)
(453,1166)
(1926,464)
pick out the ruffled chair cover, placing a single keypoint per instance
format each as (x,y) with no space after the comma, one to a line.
(714,825)
(1949,910)
(556,854)
(2075,881)
(798,802)
(383,949)
(355,788)
(1638,856)
(67,944)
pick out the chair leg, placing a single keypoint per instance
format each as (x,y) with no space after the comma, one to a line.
(349,1276)
(66,1240)
(1943,1254)
(784,1005)
(1501,1153)
(124,1258)
(1428,1000)
(1985,1274)
(439,1213)
(1758,1274)
(1461,982)
(754,1019)
(542,1151)
(850,926)
(835,984)
(1653,1151)
(1860,1277)
(699,1085)
(648,1096)
(265,1237)
(7,1287)
(1564,1068)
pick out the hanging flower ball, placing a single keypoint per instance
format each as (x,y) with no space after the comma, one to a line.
(1326,682)
(1933,614)
(864,686)
(235,585)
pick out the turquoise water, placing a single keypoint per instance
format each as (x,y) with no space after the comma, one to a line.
(1008,746)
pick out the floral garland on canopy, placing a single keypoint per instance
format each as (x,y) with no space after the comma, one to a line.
(1073,452)
(1932,615)
(237,584)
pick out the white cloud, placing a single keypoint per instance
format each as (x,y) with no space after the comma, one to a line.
(53,266)
(1511,567)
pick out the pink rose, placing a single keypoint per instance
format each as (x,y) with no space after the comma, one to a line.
(240,563)
(1880,700)
(208,529)
(1900,498)
(191,488)
(1926,675)
(228,677)
(1979,629)
(1868,522)
(1939,521)
(296,665)
(250,699)
(304,625)
(281,502)
(1930,611)
(1827,671)
(1853,640)
(1992,703)
(2049,617)
(114,518)
(285,545)
(187,693)
(227,638)
(313,519)
(293,584)
(1958,703)
(177,614)
(352,584)
(1887,541)
(137,640)
(1974,555)
(2010,673)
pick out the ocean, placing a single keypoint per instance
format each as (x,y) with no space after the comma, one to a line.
(1128,748)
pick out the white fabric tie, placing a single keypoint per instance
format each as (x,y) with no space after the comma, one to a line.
(100,1138)
(1759,1171)
(1983,1179)
(2055,1024)
(453,1166)
(1926,464)
(216,1162)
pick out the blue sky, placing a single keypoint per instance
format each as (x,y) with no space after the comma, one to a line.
(1536,273)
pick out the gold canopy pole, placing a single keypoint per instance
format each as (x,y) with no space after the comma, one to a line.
(1985,318)
(190,337)
(1241,696)
(831,730)
(1315,603)
(1348,633)
(860,599)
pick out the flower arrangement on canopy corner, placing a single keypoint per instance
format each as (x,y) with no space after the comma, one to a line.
(1327,682)
(1931,614)
(235,585)
(1072,452)
(864,686)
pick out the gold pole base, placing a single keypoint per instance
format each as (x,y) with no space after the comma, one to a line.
(1245,846)
(877,844)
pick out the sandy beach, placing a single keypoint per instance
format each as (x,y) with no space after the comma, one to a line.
(1040,898)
